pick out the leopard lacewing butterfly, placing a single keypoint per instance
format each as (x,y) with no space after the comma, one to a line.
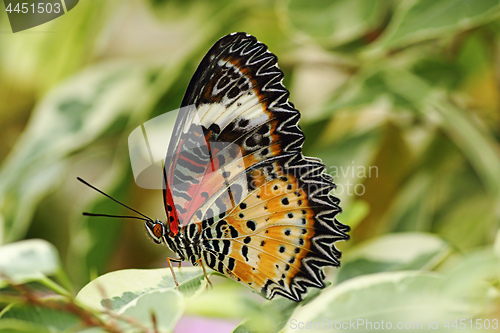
(239,195)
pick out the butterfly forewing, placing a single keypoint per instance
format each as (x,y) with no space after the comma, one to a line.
(235,169)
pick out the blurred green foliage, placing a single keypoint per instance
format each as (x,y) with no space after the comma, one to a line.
(408,89)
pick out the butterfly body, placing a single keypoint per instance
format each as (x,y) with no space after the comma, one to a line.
(240,197)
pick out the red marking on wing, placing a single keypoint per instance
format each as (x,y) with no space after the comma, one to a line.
(174,225)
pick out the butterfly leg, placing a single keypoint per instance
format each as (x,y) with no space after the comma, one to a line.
(172,269)
(200,262)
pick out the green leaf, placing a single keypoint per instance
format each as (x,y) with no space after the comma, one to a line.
(117,289)
(166,306)
(420,198)
(419,20)
(27,260)
(393,252)
(472,275)
(273,315)
(19,326)
(51,319)
(390,297)
(344,158)
(336,22)
(138,294)
(477,145)
(355,213)
(68,118)
(371,90)
(471,210)
(31,62)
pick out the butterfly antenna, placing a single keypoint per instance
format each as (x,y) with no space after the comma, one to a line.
(147,218)
(120,216)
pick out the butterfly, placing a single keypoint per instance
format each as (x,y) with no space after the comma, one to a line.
(239,195)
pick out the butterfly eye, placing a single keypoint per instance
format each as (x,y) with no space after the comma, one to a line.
(158,230)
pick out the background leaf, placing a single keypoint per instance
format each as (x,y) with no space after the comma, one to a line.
(419,20)
(394,252)
(27,260)
(400,297)
(117,289)
(66,120)
(336,22)
(42,319)
(167,306)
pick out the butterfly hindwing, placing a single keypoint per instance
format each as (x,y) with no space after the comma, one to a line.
(280,230)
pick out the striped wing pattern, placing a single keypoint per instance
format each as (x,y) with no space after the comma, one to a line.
(239,193)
